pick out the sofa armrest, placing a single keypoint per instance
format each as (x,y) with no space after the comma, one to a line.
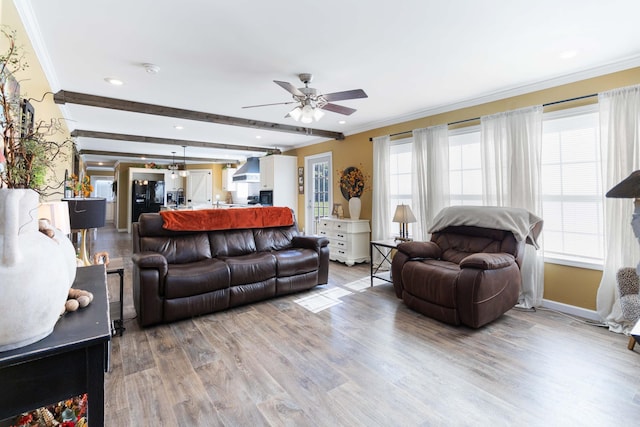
(153,260)
(488,261)
(420,250)
(309,242)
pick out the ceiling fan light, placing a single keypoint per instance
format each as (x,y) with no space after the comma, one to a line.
(307,114)
(296,113)
(317,114)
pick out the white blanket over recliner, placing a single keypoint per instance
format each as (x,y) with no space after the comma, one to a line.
(522,223)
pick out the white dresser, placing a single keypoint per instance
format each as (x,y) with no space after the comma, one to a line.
(348,239)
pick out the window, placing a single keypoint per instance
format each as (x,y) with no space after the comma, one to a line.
(465,167)
(572,193)
(572,187)
(102,187)
(400,177)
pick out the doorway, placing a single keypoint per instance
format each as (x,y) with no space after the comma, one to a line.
(318,185)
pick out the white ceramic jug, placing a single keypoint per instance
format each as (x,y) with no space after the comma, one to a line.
(36,272)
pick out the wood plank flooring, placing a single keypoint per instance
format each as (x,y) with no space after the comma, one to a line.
(363,360)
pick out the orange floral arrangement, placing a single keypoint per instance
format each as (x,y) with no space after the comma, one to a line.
(81,187)
(352,182)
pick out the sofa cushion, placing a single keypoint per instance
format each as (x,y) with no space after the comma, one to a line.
(290,262)
(274,239)
(181,249)
(196,278)
(251,268)
(432,280)
(229,243)
(252,292)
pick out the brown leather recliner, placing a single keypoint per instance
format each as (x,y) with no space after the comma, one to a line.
(464,275)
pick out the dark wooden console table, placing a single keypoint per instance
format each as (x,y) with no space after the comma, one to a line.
(69,362)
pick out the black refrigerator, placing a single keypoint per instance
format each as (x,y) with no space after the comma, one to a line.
(148,196)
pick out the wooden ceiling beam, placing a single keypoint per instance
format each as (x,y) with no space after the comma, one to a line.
(63,97)
(148,157)
(168,141)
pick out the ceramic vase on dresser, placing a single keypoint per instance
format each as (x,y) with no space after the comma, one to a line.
(355,205)
(36,272)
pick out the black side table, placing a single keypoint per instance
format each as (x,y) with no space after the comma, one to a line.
(69,362)
(116,266)
(385,248)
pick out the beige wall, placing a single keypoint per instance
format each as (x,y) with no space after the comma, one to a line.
(34,85)
(568,285)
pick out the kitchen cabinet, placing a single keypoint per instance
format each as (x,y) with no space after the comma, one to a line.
(348,239)
(227,179)
(279,174)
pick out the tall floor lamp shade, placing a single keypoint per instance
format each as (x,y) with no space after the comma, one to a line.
(84,214)
(404,216)
(629,188)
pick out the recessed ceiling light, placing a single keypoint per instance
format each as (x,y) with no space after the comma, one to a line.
(258,136)
(100,163)
(114,81)
(568,54)
(178,127)
(341,122)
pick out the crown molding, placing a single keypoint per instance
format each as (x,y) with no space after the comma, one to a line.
(30,23)
(598,71)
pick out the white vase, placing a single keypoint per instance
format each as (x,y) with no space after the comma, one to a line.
(354,207)
(36,272)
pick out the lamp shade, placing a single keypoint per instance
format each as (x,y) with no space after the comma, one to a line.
(57,213)
(628,188)
(403,214)
(296,113)
(87,213)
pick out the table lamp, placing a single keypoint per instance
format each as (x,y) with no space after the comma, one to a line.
(629,188)
(86,213)
(58,215)
(404,216)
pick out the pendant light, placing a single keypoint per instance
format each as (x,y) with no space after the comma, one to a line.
(173,166)
(184,172)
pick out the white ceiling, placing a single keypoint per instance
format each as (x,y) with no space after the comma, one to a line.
(412,57)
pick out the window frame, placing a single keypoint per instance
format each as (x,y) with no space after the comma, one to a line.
(566,259)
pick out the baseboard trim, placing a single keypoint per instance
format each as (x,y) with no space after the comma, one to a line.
(572,310)
(122,230)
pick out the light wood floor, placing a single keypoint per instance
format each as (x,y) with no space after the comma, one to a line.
(366,360)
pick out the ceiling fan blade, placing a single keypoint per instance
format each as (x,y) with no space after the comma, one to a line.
(339,109)
(289,88)
(347,94)
(275,103)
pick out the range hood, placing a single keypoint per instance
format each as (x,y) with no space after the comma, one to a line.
(249,172)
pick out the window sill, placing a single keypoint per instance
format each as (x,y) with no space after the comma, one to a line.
(574,262)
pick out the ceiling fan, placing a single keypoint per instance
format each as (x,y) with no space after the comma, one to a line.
(310,104)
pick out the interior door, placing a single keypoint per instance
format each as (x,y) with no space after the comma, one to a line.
(318,194)
(199,188)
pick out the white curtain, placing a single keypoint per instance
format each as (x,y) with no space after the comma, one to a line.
(430,176)
(511,146)
(620,142)
(380,214)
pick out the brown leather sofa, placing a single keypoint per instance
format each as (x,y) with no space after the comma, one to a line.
(181,274)
(464,275)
